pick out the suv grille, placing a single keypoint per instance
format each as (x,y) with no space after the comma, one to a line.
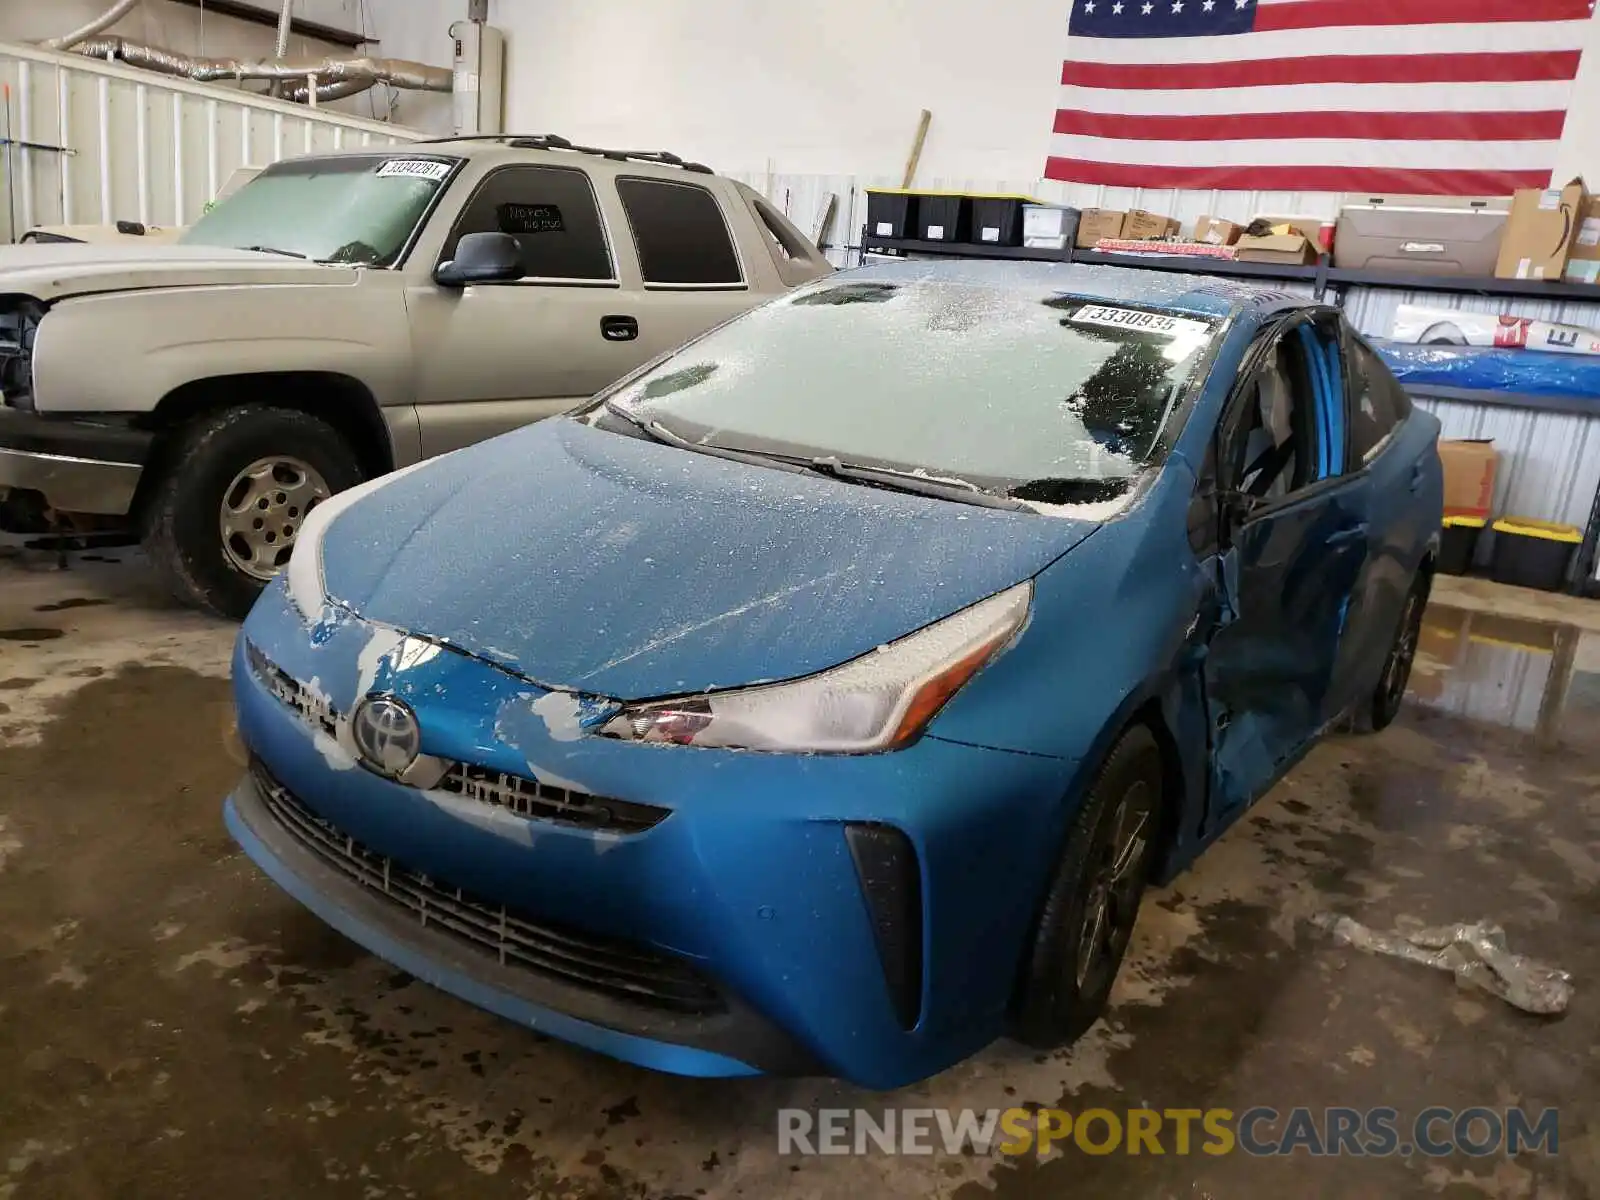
(608,966)
(525,797)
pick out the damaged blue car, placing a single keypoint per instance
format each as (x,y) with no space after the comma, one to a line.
(822,698)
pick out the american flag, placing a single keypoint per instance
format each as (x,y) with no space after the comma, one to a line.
(1431,97)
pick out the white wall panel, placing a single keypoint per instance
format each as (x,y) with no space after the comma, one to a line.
(139,146)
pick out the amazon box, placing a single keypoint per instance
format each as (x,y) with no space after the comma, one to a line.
(1097,223)
(1469,470)
(1541,231)
(1214,231)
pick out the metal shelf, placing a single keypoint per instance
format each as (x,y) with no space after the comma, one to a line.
(1320,274)
(1200,266)
(1540,289)
(963,249)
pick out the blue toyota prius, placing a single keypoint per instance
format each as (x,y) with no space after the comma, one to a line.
(821,698)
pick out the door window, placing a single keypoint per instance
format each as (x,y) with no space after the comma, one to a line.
(1377,404)
(680,234)
(1273,449)
(551,212)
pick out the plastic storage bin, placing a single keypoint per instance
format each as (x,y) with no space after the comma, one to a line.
(1533,554)
(942,217)
(892,213)
(1459,544)
(997,220)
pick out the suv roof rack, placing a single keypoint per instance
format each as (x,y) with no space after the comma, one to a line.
(551,141)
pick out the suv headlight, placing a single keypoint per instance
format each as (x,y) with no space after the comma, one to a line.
(880,701)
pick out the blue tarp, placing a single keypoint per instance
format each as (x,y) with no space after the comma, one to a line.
(1528,372)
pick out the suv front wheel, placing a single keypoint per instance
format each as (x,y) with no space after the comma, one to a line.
(224,514)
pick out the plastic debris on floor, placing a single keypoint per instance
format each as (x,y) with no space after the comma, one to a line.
(1476,954)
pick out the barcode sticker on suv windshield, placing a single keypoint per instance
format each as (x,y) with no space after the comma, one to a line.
(415,168)
(1138,321)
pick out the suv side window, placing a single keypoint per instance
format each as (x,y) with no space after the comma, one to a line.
(680,233)
(552,213)
(1377,404)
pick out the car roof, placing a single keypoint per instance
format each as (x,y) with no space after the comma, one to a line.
(543,148)
(1203,295)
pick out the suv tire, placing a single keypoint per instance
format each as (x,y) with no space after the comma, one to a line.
(221,516)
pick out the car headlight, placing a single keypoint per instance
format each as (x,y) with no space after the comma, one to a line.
(880,701)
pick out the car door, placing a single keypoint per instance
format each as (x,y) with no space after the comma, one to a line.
(692,272)
(1292,546)
(491,357)
(1378,410)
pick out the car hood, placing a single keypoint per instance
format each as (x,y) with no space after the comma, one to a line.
(607,564)
(51,270)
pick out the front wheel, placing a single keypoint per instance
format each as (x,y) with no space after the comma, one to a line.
(1093,901)
(224,515)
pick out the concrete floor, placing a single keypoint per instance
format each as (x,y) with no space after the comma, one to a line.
(171,1025)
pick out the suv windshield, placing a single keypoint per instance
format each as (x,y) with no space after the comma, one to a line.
(1050,398)
(359,209)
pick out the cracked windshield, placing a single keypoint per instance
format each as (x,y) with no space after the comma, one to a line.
(1022,393)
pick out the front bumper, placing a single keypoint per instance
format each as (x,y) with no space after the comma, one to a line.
(77,465)
(753,878)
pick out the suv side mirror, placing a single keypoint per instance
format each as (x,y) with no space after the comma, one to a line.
(481,258)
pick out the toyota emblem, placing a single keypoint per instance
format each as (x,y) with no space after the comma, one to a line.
(386,733)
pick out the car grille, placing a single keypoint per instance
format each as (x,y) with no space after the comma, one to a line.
(525,797)
(541,801)
(308,705)
(608,966)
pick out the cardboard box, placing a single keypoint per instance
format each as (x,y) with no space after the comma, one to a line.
(1097,223)
(1469,470)
(1540,234)
(1142,226)
(1284,249)
(1583,260)
(1214,231)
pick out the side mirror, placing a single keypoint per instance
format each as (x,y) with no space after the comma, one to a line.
(481,258)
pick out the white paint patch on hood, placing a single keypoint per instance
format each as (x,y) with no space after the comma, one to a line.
(559,712)
(379,646)
(303,577)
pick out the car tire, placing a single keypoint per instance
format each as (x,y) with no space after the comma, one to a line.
(269,467)
(1383,706)
(1098,884)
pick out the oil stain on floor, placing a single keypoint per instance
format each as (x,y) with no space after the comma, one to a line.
(171,1025)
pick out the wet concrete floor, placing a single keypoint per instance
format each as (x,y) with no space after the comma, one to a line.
(171,1025)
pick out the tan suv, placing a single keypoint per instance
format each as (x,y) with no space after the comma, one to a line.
(345,314)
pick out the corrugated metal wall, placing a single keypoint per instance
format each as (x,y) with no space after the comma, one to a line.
(136,146)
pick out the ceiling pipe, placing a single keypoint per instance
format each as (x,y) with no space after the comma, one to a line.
(105,20)
(281,48)
(333,75)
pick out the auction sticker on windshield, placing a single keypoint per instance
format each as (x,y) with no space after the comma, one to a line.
(415,168)
(1139,321)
